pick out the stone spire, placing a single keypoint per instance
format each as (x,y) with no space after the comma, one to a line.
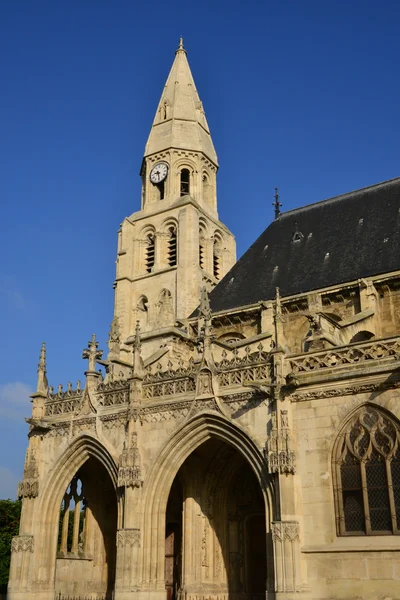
(42,385)
(138,366)
(180,121)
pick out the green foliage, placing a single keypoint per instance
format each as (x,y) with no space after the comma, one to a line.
(10,512)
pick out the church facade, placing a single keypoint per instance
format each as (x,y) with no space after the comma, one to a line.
(241,439)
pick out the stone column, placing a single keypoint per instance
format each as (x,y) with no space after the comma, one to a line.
(286,541)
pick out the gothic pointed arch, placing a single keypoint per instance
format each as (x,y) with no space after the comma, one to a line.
(195,432)
(366,473)
(87,473)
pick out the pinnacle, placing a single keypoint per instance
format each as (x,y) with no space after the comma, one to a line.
(181,46)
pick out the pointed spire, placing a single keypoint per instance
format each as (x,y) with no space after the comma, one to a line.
(180,121)
(138,365)
(42,384)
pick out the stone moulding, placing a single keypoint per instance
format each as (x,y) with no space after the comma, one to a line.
(22,543)
(128,538)
(345,391)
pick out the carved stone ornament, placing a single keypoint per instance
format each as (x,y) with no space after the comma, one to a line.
(285,531)
(278,452)
(29,486)
(129,472)
(22,543)
(128,538)
(204,383)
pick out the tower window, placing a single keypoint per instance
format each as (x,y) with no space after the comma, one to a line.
(150,253)
(216,260)
(161,189)
(206,189)
(367,475)
(185,182)
(172,247)
(201,255)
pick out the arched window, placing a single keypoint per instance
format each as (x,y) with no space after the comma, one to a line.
(217,258)
(150,252)
(185,182)
(366,466)
(206,189)
(143,304)
(72,532)
(362,336)
(202,236)
(172,246)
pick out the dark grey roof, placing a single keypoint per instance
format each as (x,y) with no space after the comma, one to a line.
(327,243)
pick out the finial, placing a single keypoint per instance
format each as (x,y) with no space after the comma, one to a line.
(136,343)
(277,205)
(138,366)
(42,385)
(181,46)
(92,354)
(205,309)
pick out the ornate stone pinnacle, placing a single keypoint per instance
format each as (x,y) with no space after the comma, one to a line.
(92,354)
(42,385)
(136,343)
(138,366)
(205,310)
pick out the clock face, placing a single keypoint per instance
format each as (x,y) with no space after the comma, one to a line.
(159,172)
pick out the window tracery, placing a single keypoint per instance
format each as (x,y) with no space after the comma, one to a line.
(72,535)
(367,475)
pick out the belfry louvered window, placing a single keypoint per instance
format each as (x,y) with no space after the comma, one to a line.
(367,475)
(172,247)
(217,259)
(150,253)
(201,254)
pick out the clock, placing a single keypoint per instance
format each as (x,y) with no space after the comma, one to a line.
(159,172)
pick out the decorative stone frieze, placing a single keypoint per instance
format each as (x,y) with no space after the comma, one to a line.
(22,543)
(128,538)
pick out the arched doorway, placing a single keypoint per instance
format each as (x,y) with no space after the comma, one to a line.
(85,561)
(215,528)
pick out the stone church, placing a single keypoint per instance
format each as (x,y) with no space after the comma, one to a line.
(241,438)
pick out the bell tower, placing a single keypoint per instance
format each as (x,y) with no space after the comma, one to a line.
(175,245)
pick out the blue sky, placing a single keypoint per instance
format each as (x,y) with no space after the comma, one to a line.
(299,95)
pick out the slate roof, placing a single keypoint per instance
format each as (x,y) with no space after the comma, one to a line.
(335,241)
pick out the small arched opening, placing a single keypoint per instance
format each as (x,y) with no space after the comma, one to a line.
(185,182)
(217,246)
(150,252)
(362,336)
(172,246)
(206,189)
